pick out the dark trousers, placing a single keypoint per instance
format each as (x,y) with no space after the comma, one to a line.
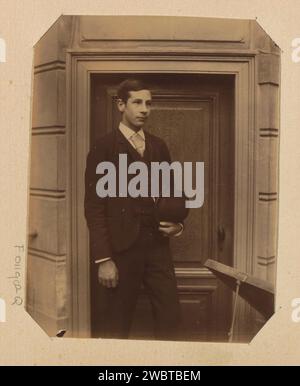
(148,261)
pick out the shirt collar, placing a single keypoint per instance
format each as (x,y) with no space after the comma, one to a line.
(128,132)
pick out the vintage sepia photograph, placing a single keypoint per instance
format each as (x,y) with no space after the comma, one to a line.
(153,202)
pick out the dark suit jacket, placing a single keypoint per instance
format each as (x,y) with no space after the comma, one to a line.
(114,223)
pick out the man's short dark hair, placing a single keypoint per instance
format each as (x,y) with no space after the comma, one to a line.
(130,85)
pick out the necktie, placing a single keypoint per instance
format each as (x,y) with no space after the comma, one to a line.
(139,143)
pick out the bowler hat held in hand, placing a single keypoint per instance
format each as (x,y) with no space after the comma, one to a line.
(171,209)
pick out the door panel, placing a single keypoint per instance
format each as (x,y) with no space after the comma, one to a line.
(184,124)
(194,115)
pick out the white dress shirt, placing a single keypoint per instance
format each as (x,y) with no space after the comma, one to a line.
(129,133)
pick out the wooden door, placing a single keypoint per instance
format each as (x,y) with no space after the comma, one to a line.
(194,114)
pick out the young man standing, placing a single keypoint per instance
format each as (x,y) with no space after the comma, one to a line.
(127,243)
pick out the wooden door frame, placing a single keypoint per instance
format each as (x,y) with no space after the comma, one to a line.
(80,66)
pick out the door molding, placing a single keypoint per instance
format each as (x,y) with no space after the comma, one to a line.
(80,66)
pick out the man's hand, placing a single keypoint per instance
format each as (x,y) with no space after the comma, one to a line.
(169,228)
(108,274)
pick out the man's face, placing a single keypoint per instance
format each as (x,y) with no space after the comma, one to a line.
(136,110)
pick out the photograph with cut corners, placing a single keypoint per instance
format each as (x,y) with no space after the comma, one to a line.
(123,109)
